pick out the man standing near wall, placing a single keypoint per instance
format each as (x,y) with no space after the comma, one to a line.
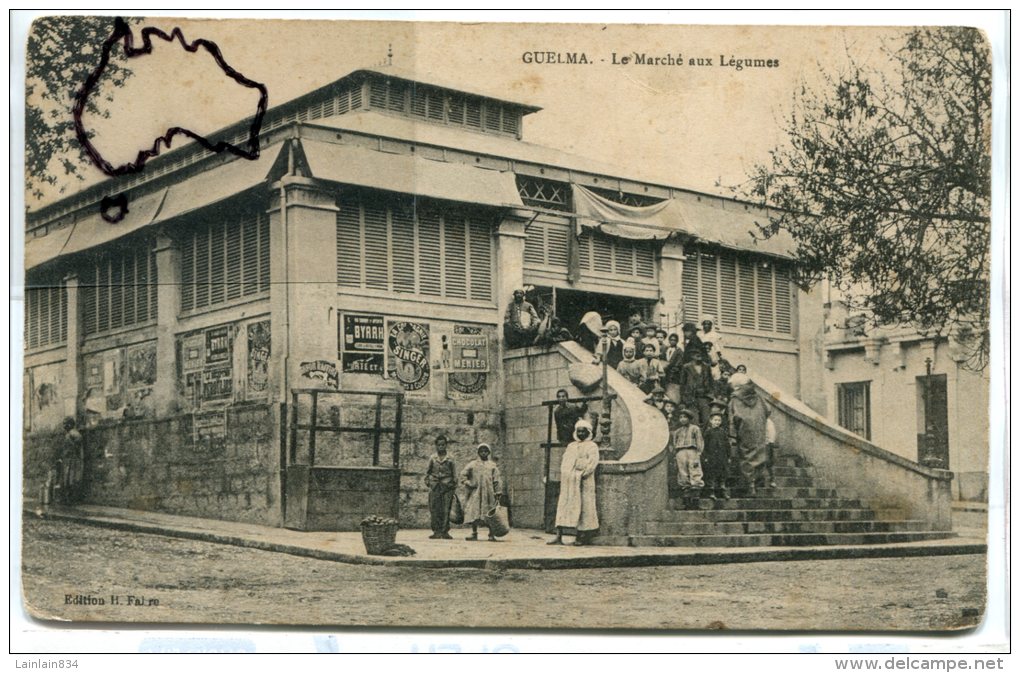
(441,482)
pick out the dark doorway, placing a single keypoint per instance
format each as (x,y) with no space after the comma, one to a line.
(571,305)
(933,421)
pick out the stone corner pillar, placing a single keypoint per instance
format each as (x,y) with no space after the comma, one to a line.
(168,297)
(303,293)
(671,270)
(71,377)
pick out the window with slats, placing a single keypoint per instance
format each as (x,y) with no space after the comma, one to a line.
(118,288)
(546,245)
(389,246)
(602,254)
(223,260)
(45,313)
(750,293)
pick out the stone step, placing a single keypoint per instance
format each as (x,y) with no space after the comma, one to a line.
(784,471)
(790,460)
(784,539)
(709,515)
(827,499)
(778,527)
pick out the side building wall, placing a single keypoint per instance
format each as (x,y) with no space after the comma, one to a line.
(896,405)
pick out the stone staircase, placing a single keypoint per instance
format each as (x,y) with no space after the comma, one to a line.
(801,510)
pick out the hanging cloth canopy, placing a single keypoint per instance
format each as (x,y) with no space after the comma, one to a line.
(637,223)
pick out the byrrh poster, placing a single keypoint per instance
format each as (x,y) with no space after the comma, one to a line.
(693,324)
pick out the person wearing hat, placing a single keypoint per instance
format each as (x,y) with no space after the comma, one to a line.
(658,398)
(748,432)
(691,343)
(520,324)
(715,460)
(484,484)
(576,506)
(688,442)
(696,386)
(440,478)
(635,333)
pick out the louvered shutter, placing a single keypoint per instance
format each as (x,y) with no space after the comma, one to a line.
(217,260)
(624,257)
(130,285)
(645,258)
(264,269)
(745,292)
(474,113)
(557,242)
(481,259)
(766,293)
(783,301)
(234,276)
(535,245)
(188,273)
(348,244)
(89,296)
(377,94)
(603,254)
(376,248)
(430,251)
(709,285)
(403,250)
(690,289)
(728,291)
(455,262)
(584,244)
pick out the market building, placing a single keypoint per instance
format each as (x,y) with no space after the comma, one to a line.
(280,341)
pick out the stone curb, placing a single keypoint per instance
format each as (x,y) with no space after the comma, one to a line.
(637,560)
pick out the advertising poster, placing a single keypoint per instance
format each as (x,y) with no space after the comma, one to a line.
(408,354)
(141,365)
(193,353)
(259,349)
(217,345)
(362,343)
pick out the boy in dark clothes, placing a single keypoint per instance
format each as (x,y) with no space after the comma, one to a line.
(716,458)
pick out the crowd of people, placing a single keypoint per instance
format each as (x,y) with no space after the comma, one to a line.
(721,434)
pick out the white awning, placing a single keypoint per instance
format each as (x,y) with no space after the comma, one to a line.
(409,174)
(198,191)
(215,185)
(640,223)
(723,222)
(92,230)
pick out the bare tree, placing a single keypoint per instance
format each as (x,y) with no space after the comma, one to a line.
(885,185)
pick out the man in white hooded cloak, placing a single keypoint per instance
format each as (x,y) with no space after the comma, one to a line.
(576,505)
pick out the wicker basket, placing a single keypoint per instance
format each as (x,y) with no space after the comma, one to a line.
(378,537)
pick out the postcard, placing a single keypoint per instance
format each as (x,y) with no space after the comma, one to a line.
(570,326)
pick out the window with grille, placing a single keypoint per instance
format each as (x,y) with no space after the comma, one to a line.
(45,313)
(118,289)
(544,193)
(748,293)
(854,405)
(224,260)
(389,245)
(626,198)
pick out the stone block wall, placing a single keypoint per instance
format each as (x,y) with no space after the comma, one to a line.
(532,376)
(158,465)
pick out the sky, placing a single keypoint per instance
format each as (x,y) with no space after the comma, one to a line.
(696,126)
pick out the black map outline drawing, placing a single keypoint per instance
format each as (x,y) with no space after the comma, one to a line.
(122,32)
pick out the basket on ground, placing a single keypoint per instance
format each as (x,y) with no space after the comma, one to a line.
(378,534)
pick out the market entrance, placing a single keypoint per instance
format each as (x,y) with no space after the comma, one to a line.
(571,305)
